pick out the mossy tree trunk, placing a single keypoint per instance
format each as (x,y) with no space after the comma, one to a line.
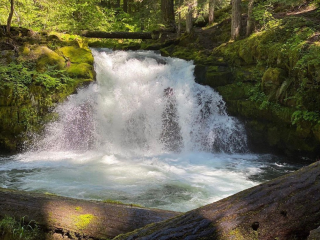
(236,19)
(73,217)
(285,208)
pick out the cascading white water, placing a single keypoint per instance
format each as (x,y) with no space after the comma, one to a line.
(144,104)
(144,133)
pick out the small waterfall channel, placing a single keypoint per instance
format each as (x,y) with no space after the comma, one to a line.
(144,133)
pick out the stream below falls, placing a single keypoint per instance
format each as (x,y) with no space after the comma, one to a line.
(143,133)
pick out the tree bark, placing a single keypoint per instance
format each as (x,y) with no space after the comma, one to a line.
(125,5)
(125,35)
(90,219)
(167,10)
(117,4)
(236,19)
(179,22)
(189,19)
(250,19)
(10,16)
(285,208)
(211,11)
(130,3)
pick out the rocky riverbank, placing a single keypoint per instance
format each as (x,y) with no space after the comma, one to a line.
(37,71)
(270,79)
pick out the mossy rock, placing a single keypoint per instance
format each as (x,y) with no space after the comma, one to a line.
(218,76)
(81,70)
(25,50)
(246,53)
(235,91)
(76,55)
(46,57)
(272,79)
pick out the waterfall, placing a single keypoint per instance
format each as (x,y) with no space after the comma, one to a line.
(144,104)
(143,133)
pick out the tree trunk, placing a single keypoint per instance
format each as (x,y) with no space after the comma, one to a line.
(124,35)
(236,19)
(10,16)
(118,4)
(211,11)
(125,5)
(167,10)
(130,3)
(285,208)
(250,20)
(90,219)
(189,19)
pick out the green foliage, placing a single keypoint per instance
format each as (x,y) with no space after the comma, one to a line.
(12,230)
(77,15)
(262,13)
(19,76)
(305,115)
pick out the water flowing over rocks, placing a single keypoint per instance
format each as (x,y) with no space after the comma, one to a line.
(284,208)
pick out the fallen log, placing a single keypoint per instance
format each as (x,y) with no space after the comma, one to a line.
(285,208)
(74,217)
(120,35)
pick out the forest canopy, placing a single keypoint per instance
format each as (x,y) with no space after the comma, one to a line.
(106,15)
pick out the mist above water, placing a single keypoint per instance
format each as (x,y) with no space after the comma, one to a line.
(144,133)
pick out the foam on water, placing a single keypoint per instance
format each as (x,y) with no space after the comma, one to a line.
(144,133)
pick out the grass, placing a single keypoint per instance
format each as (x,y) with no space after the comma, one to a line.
(11,229)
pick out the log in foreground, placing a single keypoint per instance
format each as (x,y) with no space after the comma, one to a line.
(284,208)
(120,35)
(74,217)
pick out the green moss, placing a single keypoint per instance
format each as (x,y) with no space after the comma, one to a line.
(215,76)
(25,50)
(77,55)
(272,79)
(78,208)
(28,90)
(235,91)
(47,57)
(81,70)
(50,194)
(82,221)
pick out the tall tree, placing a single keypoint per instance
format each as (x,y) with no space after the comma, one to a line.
(130,6)
(236,19)
(211,11)
(117,4)
(179,7)
(250,23)
(189,18)
(10,16)
(167,9)
(125,5)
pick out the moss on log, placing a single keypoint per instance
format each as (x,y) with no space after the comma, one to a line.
(74,217)
(285,208)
